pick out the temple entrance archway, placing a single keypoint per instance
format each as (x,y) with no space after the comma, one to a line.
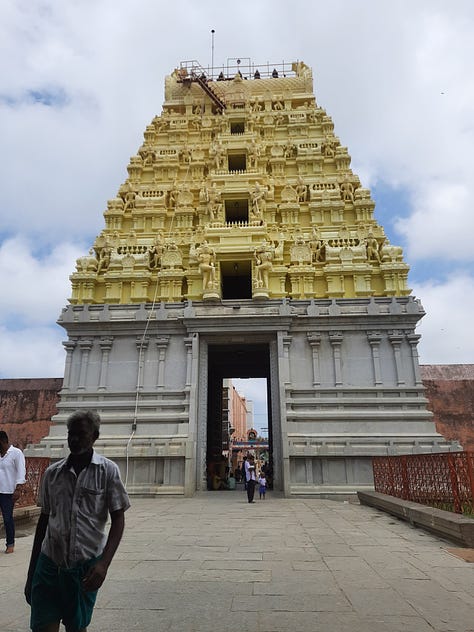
(235,360)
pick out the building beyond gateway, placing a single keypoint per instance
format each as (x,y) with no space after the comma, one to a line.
(243,245)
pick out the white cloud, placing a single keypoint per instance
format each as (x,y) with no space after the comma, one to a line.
(397,79)
(31,352)
(37,286)
(447,327)
(442,223)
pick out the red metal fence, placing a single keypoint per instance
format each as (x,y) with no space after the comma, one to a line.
(35,467)
(444,480)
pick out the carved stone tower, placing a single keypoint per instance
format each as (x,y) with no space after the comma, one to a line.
(243,245)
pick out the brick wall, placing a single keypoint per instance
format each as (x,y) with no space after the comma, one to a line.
(450,393)
(26,408)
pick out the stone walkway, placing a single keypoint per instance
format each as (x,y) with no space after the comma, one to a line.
(213,563)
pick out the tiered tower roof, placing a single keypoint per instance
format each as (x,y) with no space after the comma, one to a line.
(240,190)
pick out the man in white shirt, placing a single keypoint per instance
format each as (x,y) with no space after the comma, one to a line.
(12,474)
(250,477)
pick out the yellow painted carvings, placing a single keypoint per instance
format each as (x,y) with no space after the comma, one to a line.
(240,190)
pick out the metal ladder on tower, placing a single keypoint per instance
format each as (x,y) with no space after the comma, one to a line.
(202,81)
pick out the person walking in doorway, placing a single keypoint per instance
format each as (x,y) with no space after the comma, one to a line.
(250,477)
(262,485)
(71,551)
(12,474)
(244,472)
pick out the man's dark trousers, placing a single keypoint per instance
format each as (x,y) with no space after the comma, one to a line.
(250,489)
(6,506)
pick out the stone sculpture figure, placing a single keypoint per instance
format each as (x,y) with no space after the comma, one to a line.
(329,149)
(214,211)
(104,259)
(156,251)
(258,201)
(172,197)
(207,265)
(301,69)
(301,190)
(214,202)
(263,258)
(372,246)
(279,245)
(148,157)
(203,194)
(185,155)
(255,106)
(253,153)
(289,150)
(316,245)
(218,155)
(347,191)
(129,200)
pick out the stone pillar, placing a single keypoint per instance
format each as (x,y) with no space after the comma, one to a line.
(161,343)
(314,340)
(69,345)
(280,379)
(142,345)
(85,346)
(105,346)
(413,342)
(335,338)
(396,338)
(374,338)
(191,476)
(188,343)
(286,342)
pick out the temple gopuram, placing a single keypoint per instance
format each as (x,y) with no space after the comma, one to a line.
(243,245)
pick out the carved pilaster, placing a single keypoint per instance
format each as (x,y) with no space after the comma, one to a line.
(336,338)
(375,338)
(284,342)
(142,345)
(85,346)
(314,340)
(105,346)
(188,343)
(201,476)
(69,345)
(396,338)
(161,344)
(413,340)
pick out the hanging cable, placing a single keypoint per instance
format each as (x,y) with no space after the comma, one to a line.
(140,355)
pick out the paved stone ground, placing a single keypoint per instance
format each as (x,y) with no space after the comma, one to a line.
(214,563)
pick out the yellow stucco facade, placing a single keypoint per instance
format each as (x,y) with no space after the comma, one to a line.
(240,190)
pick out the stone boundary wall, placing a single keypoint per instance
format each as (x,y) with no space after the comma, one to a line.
(444,524)
(449,389)
(26,408)
(447,372)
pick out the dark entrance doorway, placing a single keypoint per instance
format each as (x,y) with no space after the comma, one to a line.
(231,361)
(236,279)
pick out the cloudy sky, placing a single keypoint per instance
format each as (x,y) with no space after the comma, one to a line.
(80,81)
